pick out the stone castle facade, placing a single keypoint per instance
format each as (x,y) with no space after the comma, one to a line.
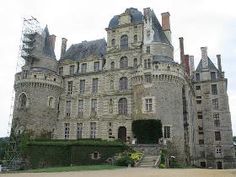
(99,87)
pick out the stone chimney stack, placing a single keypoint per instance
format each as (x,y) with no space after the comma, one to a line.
(52,41)
(204,57)
(181,46)
(191,63)
(219,62)
(186,64)
(63,47)
(166,24)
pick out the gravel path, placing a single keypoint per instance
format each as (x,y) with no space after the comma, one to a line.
(134,172)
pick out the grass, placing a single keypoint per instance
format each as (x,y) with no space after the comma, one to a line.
(74,168)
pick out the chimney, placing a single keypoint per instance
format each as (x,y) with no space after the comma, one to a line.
(186,64)
(63,47)
(181,46)
(204,57)
(219,62)
(166,24)
(191,63)
(52,40)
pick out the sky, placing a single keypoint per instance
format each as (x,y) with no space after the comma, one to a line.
(202,23)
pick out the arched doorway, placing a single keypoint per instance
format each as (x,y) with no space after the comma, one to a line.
(219,165)
(122,134)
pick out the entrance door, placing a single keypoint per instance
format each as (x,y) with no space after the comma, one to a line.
(219,165)
(122,134)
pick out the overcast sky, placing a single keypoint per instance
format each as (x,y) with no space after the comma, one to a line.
(208,23)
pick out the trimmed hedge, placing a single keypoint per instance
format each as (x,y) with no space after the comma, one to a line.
(54,153)
(147,131)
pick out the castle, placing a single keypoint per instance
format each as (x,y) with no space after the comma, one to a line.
(99,87)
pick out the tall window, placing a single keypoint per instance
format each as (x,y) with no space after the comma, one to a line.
(147,63)
(80,108)
(213,75)
(96,66)
(217,136)
(113,42)
(122,106)
(61,71)
(68,107)
(124,62)
(197,76)
(148,105)
(81,86)
(93,130)
(135,38)
(72,69)
(215,103)
(84,68)
(111,84)
(123,83)
(214,89)
(22,101)
(218,151)
(216,118)
(199,115)
(79,130)
(110,106)
(135,64)
(124,42)
(94,105)
(148,49)
(70,87)
(51,103)
(148,78)
(112,65)
(66,130)
(166,131)
(95,85)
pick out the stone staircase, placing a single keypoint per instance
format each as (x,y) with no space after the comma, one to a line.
(150,161)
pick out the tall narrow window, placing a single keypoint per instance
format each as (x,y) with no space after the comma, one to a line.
(80,108)
(148,49)
(216,118)
(96,66)
(82,86)
(94,105)
(93,130)
(124,62)
(148,78)
(51,102)
(68,107)
(197,76)
(70,87)
(72,69)
(215,103)
(217,136)
(147,63)
(112,65)
(122,106)
(135,64)
(61,71)
(135,38)
(113,42)
(166,131)
(124,42)
(148,105)
(214,89)
(110,106)
(84,68)
(123,83)
(66,130)
(79,130)
(111,84)
(22,101)
(95,85)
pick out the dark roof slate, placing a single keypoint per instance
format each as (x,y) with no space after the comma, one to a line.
(211,66)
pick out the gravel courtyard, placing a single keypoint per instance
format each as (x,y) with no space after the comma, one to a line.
(134,172)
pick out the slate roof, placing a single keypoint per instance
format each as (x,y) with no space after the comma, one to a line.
(136,18)
(211,66)
(85,49)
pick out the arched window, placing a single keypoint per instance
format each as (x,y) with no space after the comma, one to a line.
(122,106)
(124,62)
(111,106)
(22,101)
(123,83)
(51,102)
(113,42)
(124,42)
(135,38)
(135,64)
(112,65)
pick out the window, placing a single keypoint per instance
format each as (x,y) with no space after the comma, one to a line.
(70,87)
(51,103)
(123,83)
(166,131)
(218,151)
(201,141)
(135,64)
(199,99)
(84,68)
(110,133)
(24,74)
(199,115)
(95,85)
(94,105)
(113,42)
(79,130)
(135,38)
(112,65)
(215,103)
(216,118)
(67,131)
(148,34)
(148,49)
(95,156)
(82,86)
(80,108)
(72,69)
(197,76)
(217,136)
(68,107)
(22,101)
(148,105)
(61,71)
(124,42)
(93,130)
(111,84)
(200,130)
(213,75)
(203,164)
(147,63)
(110,106)
(124,62)
(198,87)
(214,89)
(96,66)
(122,106)
(148,78)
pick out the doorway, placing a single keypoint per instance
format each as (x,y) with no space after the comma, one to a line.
(122,134)
(219,165)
